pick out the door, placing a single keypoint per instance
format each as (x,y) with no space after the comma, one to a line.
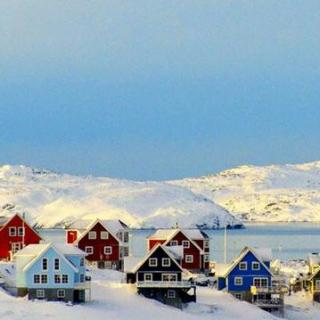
(15,247)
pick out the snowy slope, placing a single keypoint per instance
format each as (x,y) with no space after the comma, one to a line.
(270,194)
(49,199)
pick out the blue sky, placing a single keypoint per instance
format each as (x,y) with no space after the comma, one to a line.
(158,89)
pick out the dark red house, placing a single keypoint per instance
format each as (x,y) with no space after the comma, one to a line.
(196,246)
(15,233)
(106,242)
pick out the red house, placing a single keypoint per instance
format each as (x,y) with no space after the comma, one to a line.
(15,233)
(106,242)
(196,246)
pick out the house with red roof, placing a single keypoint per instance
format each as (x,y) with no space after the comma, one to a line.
(195,243)
(15,234)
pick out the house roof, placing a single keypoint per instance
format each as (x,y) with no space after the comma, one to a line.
(129,263)
(69,249)
(38,250)
(164,234)
(316,271)
(144,259)
(242,254)
(176,251)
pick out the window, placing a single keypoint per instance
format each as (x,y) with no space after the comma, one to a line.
(255,265)
(81,262)
(153,262)
(126,237)
(81,277)
(36,278)
(40,293)
(56,264)
(104,235)
(171,294)
(238,296)
(44,278)
(169,277)
(166,262)
(206,258)
(206,243)
(57,278)
(189,258)
(92,235)
(12,231)
(125,251)
(88,250)
(65,278)
(260,282)
(44,264)
(107,250)
(61,293)
(21,231)
(243,266)
(186,243)
(148,277)
(173,243)
(238,281)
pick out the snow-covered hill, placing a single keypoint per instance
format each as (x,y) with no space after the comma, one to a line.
(50,199)
(269,194)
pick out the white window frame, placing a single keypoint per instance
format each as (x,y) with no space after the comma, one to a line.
(81,277)
(12,231)
(146,275)
(59,295)
(54,264)
(166,262)
(92,235)
(186,244)
(206,258)
(42,262)
(260,279)
(189,258)
(62,278)
(44,276)
(255,263)
(23,229)
(238,296)
(104,235)
(206,244)
(81,262)
(40,294)
(172,277)
(155,264)
(56,277)
(36,275)
(86,249)
(174,243)
(171,294)
(245,264)
(236,279)
(109,248)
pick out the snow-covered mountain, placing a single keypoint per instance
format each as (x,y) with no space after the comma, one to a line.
(51,199)
(269,194)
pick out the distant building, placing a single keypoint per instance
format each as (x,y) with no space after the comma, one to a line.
(159,276)
(313,281)
(249,278)
(106,242)
(15,233)
(195,243)
(52,272)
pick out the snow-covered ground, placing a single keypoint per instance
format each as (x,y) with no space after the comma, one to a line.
(264,194)
(113,299)
(50,198)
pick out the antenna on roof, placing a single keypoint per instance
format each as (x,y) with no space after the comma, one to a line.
(177,225)
(225,244)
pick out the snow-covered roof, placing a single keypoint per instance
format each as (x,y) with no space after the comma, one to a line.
(264,254)
(314,259)
(176,251)
(81,224)
(68,249)
(164,234)
(33,249)
(221,269)
(114,226)
(130,263)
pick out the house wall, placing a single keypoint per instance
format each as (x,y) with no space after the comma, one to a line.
(71,236)
(247,275)
(159,269)
(99,244)
(36,268)
(30,237)
(153,242)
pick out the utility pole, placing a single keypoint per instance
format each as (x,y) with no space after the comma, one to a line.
(225,244)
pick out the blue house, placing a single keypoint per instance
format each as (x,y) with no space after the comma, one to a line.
(249,278)
(52,272)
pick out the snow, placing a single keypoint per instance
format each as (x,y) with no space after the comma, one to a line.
(276,193)
(51,199)
(264,254)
